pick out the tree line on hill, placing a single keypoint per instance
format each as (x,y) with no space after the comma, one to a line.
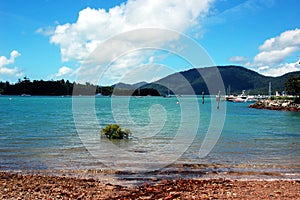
(49,88)
(293,85)
(65,88)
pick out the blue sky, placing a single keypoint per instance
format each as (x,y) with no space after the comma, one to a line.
(51,39)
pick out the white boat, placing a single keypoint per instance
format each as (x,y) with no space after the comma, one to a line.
(99,95)
(241,98)
(25,95)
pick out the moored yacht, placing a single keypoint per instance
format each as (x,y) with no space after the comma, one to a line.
(241,98)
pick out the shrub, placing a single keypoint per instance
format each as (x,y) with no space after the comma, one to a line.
(282,98)
(114,131)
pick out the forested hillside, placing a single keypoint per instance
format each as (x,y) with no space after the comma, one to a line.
(235,79)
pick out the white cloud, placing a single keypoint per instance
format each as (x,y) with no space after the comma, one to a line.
(238,59)
(275,50)
(6,61)
(289,38)
(79,39)
(274,57)
(280,70)
(274,53)
(94,26)
(63,72)
(5,69)
(263,68)
(9,71)
(47,31)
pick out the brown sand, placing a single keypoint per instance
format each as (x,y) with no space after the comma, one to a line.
(16,186)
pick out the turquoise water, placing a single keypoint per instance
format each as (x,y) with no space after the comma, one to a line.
(39,133)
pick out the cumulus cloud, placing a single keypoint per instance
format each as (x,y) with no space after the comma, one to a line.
(274,57)
(238,59)
(5,69)
(274,52)
(47,31)
(280,70)
(94,26)
(6,61)
(289,38)
(63,72)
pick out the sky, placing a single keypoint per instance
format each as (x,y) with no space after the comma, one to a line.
(55,39)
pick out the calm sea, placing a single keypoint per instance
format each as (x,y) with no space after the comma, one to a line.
(40,134)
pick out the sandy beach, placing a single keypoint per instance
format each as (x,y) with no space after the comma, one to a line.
(18,186)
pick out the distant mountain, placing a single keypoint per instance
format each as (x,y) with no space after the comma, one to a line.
(136,89)
(126,86)
(236,78)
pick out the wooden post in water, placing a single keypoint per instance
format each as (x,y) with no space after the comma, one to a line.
(218,99)
(202,97)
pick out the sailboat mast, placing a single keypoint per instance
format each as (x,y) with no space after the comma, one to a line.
(270,89)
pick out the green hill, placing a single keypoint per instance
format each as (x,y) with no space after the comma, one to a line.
(234,77)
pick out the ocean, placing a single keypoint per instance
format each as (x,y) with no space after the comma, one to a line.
(61,135)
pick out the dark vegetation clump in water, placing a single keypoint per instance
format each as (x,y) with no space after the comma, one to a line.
(114,131)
